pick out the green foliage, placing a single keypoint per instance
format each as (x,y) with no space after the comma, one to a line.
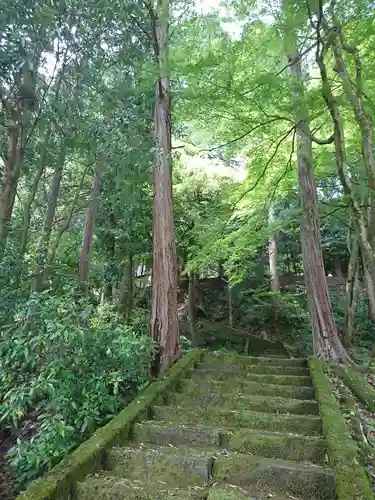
(71,369)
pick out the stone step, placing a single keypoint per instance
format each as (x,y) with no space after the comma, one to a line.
(298,480)
(115,488)
(278,445)
(288,380)
(246,402)
(231,359)
(180,467)
(255,368)
(264,443)
(246,387)
(232,492)
(300,424)
(162,433)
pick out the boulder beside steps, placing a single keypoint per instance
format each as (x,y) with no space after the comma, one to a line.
(237,428)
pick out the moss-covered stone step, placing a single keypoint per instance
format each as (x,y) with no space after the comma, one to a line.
(300,424)
(276,445)
(238,378)
(180,467)
(257,403)
(231,359)
(246,387)
(232,492)
(266,443)
(162,433)
(257,368)
(116,488)
(298,480)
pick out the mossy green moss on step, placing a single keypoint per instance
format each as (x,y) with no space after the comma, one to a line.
(175,467)
(163,434)
(244,402)
(89,455)
(232,419)
(231,359)
(275,445)
(115,488)
(364,392)
(238,378)
(232,492)
(246,387)
(246,471)
(352,482)
(261,369)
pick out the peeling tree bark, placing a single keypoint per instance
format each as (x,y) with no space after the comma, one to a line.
(163,327)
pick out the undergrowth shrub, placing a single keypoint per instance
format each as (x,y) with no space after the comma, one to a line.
(364,331)
(70,369)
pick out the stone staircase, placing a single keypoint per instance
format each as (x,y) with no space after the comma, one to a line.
(237,428)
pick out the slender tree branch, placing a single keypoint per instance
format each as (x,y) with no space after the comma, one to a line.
(259,125)
(323,141)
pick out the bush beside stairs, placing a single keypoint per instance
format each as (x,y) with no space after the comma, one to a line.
(235,428)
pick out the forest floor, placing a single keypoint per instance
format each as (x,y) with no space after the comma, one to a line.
(7,490)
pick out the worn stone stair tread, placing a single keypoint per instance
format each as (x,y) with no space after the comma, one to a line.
(255,368)
(179,466)
(269,444)
(270,404)
(307,481)
(234,419)
(289,380)
(160,433)
(232,492)
(246,387)
(254,360)
(115,488)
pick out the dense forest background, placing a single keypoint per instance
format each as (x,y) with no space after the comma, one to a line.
(265,112)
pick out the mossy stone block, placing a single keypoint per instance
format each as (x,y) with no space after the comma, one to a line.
(257,368)
(238,378)
(244,402)
(246,471)
(253,360)
(115,488)
(246,387)
(170,465)
(235,419)
(274,445)
(160,434)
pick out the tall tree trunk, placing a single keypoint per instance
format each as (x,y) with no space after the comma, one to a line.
(352,285)
(230,304)
(11,172)
(66,226)
(41,167)
(88,234)
(326,341)
(274,275)
(163,326)
(359,219)
(126,293)
(44,240)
